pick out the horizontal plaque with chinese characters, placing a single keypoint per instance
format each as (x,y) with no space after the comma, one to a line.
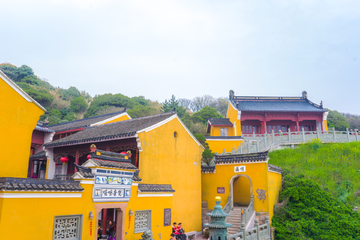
(220,190)
(240,169)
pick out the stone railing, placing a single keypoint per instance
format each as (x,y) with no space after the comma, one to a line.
(258,232)
(228,205)
(262,142)
(248,212)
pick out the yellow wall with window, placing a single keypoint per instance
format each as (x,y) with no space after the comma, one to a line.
(18,119)
(175,160)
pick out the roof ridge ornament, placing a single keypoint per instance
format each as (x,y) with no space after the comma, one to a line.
(231,94)
(304,94)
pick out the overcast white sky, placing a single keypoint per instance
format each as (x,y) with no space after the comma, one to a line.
(190,48)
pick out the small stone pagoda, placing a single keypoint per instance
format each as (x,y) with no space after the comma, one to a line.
(218,226)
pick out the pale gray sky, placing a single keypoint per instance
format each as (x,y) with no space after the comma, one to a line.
(190,48)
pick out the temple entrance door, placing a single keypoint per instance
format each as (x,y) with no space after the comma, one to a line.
(240,190)
(107,215)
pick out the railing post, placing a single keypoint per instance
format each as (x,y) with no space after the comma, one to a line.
(348,134)
(241,148)
(249,147)
(317,133)
(334,134)
(266,140)
(273,136)
(267,221)
(289,135)
(256,225)
(243,230)
(257,146)
(254,135)
(303,134)
(356,135)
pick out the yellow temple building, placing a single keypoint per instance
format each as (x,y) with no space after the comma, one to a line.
(141,174)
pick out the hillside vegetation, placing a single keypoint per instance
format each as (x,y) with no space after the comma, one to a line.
(322,184)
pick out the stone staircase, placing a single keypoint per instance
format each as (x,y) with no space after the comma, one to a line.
(235,220)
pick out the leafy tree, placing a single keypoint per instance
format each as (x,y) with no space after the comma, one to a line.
(78,104)
(171,104)
(141,100)
(185,103)
(31,80)
(70,93)
(10,70)
(41,96)
(204,114)
(337,120)
(23,72)
(101,102)
(141,111)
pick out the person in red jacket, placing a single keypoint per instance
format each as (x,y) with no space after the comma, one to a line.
(180,232)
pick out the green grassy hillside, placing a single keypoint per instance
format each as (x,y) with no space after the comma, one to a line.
(321,186)
(336,167)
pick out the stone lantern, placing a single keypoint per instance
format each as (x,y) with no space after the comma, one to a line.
(218,226)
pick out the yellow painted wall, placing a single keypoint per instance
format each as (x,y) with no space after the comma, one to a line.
(18,119)
(325,125)
(216,131)
(33,218)
(166,159)
(119,119)
(218,146)
(275,186)
(258,172)
(157,205)
(242,191)
(232,114)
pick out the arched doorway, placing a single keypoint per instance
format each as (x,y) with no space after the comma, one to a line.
(240,190)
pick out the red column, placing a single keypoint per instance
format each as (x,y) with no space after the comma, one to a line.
(76,160)
(31,168)
(104,218)
(265,127)
(297,126)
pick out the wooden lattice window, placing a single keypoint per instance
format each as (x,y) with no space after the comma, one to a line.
(67,227)
(142,221)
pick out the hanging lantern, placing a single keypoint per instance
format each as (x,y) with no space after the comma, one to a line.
(88,156)
(123,153)
(64,160)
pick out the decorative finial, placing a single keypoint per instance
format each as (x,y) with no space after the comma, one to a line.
(92,148)
(218,198)
(321,104)
(304,94)
(231,94)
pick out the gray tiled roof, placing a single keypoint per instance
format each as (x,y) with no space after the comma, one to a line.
(220,121)
(241,158)
(155,188)
(106,155)
(275,168)
(38,155)
(207,169)
(84,171)
(113,164)
(111,131)
(31,184)
(81,123)
(42,129)
(278,105)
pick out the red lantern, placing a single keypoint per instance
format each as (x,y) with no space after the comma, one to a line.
(64,160)
(123,153)
(88,157)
